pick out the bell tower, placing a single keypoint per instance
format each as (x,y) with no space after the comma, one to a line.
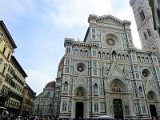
(149,37)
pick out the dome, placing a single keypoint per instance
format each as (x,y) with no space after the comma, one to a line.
(51,84)
(61,64)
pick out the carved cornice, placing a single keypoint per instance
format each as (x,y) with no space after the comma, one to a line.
(96,18)
(72,42)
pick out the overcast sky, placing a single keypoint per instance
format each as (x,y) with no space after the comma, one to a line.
(39,27)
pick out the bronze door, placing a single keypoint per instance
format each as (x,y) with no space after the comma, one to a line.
(79,110)
(118,111)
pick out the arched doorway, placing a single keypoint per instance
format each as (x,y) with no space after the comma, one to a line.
(117,107)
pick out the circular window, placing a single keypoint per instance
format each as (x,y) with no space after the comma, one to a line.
(110,42)
(145,73)
(80,67)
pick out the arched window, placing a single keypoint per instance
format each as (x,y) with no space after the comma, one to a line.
(64,106)
(142,15)
(149,32)
(103,55)
(119,56)
(81,53)
(114,54)
(145,35)
(138,59)
(76,52)
(123,57)
(95,88)
(99,54)
(143,60)
(127,57)
(147,59)
(140,90)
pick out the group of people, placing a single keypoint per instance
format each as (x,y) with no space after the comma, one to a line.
(7,116)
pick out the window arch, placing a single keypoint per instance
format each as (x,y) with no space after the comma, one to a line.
(76,51)
(99,54)
(103,55)
(119,56)
(86,53)
(81,52)
(140,90)
(108,55)
(95,88)
(142,15)
(113,54)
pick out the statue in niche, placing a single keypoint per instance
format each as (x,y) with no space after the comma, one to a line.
(116,88)
(79,92)
(107,69)
(126,109)
(125,71)
(65,86)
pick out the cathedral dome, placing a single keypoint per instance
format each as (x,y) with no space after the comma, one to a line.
(60,66)
(50,84)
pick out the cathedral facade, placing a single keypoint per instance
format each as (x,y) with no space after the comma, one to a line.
(106,75)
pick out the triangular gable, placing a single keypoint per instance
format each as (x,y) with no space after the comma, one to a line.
(116,70)
(108,19)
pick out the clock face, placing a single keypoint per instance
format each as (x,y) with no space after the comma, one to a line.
(110,42)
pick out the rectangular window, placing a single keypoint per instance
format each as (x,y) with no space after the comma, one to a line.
(136,75)
(144,108)
(94,53)
(96,107)
(69,106)
(135,67)
(66,69)
(8,56)
(136,108)
(64,106)
(68,50)
(133,57)
(67,61)
(94,71)
(94,63)
(90,107)
(102,107)
(4,68)
(4,49)
(142,15)
(93,33)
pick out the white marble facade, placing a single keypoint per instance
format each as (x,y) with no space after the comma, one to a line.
(106,75)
